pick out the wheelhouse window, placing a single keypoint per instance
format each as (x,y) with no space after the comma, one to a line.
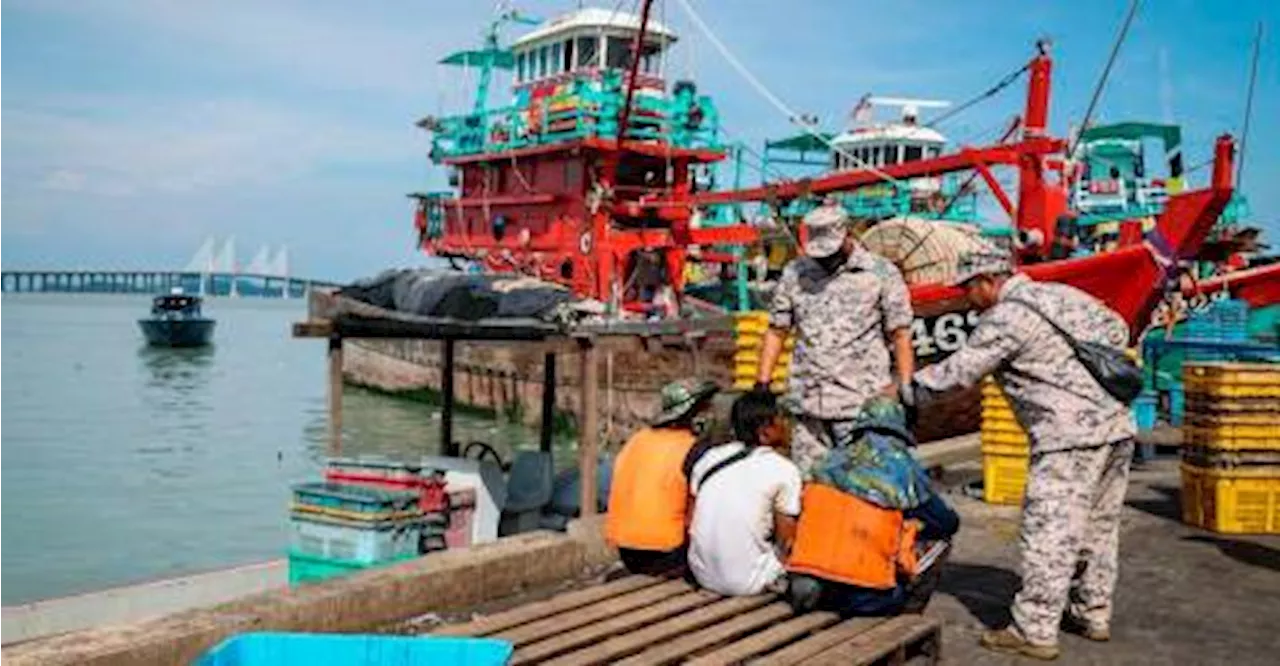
(520,67)
(586,52)
(542,62)
(875,156)
(912,153)
(890,154)
(567,50)
(649,58)
(617,53)
(933,151)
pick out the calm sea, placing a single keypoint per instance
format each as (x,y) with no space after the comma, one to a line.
(123,463)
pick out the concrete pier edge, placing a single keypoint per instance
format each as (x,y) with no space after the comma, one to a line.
(445,581)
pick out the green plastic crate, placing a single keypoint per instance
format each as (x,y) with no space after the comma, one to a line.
(311,569)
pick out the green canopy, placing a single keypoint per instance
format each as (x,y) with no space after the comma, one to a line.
(1170,134)
(801,143)
(500,58)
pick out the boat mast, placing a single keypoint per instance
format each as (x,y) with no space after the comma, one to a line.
(636,50)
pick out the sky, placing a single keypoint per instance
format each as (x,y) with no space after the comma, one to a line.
(135,129)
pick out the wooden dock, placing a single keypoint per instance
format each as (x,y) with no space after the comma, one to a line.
(645,620)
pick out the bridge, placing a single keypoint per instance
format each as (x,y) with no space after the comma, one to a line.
(210,272)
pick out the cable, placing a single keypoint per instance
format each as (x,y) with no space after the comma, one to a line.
(1248,104)
(1106,72)
(986,94)
(773,99)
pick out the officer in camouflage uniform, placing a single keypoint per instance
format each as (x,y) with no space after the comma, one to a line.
(844,303)
(1081,444)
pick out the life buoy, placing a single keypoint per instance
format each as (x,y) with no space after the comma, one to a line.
(584,243)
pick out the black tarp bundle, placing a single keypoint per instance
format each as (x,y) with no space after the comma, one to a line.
(465,296)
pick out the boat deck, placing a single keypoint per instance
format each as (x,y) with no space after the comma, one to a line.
(645,620)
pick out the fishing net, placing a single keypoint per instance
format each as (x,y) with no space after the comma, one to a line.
(926,251)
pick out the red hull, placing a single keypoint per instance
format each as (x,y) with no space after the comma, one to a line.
(1259,287)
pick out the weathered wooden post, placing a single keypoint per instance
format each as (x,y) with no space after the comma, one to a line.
(589,433)
(447,444)
(548,400)
(335,395)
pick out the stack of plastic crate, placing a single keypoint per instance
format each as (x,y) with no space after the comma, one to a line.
(749,329)
(1005,448)
(337,529)
(428,483)
(1231,450)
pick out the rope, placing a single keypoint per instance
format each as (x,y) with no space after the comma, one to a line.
(1106,72)
(773,99)
(984,95)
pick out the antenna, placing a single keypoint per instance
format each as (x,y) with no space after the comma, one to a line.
(910,107)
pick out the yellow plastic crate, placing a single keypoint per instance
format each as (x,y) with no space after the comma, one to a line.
(1232,380)
(1004,477)
(1005,449)
(1005,438)
(999,413)
(1234,437)
(1001,424)
(1199,404)
(1244,500)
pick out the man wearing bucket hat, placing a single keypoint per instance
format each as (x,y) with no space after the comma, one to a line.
(845,305)
(649,496)
(1081,443)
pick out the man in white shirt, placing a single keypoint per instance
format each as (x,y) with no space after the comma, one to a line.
(746,501)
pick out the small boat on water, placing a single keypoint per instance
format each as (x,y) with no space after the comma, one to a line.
(176,321)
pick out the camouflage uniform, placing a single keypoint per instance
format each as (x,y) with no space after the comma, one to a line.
(1081,445)
(841,358)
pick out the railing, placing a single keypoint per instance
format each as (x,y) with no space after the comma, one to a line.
(582,108)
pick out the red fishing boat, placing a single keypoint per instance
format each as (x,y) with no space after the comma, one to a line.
(598,175)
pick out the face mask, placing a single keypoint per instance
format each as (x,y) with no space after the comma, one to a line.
(832,263)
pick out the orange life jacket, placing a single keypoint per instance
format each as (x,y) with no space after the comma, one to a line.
(649,495)
(846,539)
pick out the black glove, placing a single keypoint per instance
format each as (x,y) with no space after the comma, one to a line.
(907,396)
(761,388)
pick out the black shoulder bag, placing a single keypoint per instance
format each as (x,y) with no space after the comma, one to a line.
(1119,376)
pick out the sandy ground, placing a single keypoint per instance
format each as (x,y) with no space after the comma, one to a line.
(1185,596)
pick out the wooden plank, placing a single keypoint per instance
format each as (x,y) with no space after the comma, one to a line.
(767,640)
(890,637)
(313,328)
(542,609)
(630,643)
(611,625)
(563,622)
(711,636)
(797,652)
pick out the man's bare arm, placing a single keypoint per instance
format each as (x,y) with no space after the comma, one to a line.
(769,353)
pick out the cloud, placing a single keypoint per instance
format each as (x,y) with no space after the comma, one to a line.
(122,146)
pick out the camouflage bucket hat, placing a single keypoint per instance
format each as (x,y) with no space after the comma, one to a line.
(827,226)
(885,415)
(681,397)
(988,260)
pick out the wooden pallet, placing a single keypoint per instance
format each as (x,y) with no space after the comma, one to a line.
(645,620)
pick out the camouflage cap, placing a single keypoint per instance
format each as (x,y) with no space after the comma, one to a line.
(681,397)
(827,226)
(987,260)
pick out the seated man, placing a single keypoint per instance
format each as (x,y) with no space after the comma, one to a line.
(649,496)
(746,499)
(872,534)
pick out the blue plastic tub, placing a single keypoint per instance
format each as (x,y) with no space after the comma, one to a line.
(282,649)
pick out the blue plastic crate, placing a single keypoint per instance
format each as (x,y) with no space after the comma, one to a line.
(1144,410)
(285,649)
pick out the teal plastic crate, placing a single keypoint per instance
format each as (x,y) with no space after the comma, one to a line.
(287,649)
(353,498)
(367,543)
(304,568)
